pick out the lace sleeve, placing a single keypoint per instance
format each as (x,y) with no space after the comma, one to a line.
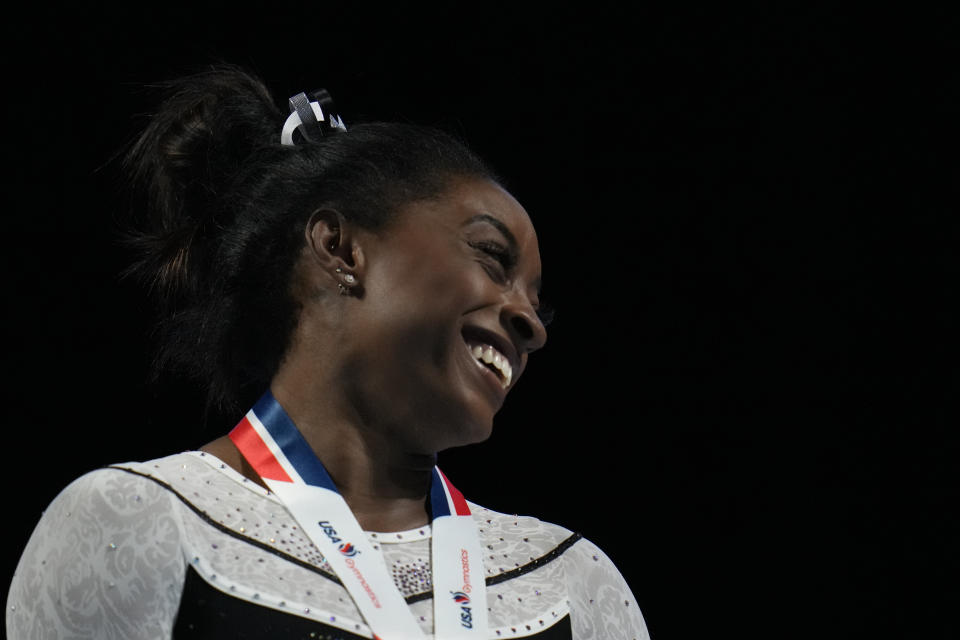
(103,562)
(602,607)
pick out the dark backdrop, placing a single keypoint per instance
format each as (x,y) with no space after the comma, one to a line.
(748,226)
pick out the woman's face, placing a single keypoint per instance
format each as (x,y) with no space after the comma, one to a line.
(448,316)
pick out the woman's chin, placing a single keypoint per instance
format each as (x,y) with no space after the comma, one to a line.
(465,432)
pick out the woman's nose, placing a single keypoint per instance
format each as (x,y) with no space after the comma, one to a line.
(523,323)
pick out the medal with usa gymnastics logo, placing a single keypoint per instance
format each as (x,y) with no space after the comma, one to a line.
(459,588)
(277,451)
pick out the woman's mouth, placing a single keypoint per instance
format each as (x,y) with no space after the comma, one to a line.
(489,357)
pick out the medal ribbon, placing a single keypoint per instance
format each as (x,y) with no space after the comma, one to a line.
(278,452)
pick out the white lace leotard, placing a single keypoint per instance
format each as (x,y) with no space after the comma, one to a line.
(184,546)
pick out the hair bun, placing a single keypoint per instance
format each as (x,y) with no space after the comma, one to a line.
(184,163)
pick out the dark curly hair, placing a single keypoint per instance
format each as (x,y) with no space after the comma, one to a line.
(219,212)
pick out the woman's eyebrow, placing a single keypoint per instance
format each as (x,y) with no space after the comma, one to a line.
(496,223)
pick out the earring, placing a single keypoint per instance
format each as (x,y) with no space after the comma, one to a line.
(349,278)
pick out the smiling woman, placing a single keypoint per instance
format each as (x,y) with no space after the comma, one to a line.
(372,294)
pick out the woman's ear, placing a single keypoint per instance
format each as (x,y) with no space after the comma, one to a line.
(325,235)
(334,246)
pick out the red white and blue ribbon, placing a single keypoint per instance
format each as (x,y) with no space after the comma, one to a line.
(277,451)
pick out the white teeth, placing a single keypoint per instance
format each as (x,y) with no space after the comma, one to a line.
(489,355)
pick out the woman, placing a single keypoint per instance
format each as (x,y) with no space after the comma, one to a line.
(372,293)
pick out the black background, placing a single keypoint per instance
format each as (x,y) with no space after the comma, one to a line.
(748,225)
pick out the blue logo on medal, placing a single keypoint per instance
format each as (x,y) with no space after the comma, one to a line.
(466,615)
(346,548)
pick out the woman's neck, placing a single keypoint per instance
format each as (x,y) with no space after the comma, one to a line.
(385,487)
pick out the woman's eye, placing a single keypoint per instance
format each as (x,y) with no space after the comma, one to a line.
(498,254)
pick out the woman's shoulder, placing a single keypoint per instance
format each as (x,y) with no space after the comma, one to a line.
(520,543)
(496,524)
(105,507)
(113,536)
(109,512)
(187,476)
(168,470)
(520,539)
(120,491)
(571,580)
